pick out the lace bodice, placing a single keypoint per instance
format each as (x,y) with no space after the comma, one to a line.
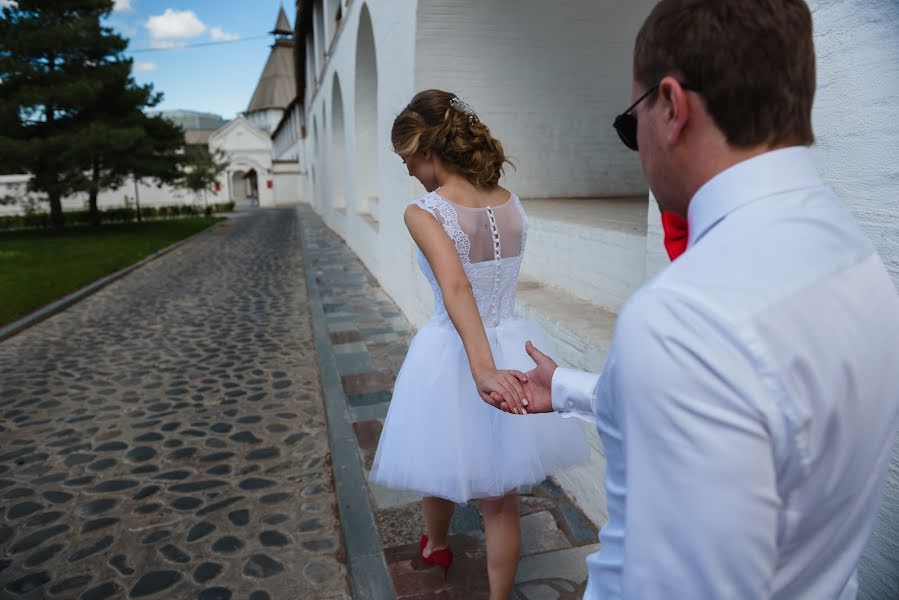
(490,242)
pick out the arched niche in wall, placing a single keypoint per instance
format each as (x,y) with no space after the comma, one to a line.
(366,112)
(338,146)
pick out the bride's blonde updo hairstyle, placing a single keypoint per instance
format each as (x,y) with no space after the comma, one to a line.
(441,123)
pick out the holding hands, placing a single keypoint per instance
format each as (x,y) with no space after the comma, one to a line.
(534,388)
(503,387)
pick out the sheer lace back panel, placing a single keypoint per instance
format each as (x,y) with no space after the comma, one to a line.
(490,243)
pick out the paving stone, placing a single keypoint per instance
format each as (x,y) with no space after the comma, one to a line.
(227,545)
(215,593)
(567,564)
(239,517)
(366,383)
(541,533)
(154,582)
(91,549)
(70,584)
(538,591)
(368,433)
(28,583)
(101,592)
(270,538)
(262,566)
(206,571)
(368,398)
(200,530)
(43,555)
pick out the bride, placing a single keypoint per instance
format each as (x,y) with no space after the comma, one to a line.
(441,438)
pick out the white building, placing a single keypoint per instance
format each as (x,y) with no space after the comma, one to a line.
(549,78)
(262,145)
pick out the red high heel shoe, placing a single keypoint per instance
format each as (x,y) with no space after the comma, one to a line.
(441,558)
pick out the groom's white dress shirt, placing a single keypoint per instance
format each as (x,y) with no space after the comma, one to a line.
(749,401)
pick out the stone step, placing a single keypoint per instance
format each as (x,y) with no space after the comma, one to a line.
(582,334)
(593,248)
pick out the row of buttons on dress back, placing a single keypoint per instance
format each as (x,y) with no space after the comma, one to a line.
(497,256)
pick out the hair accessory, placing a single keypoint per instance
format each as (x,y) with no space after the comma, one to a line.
(465,107)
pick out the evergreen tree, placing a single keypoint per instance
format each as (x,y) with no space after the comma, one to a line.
(71,114)
(202,169)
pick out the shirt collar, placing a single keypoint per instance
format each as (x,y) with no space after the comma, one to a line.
(764,175)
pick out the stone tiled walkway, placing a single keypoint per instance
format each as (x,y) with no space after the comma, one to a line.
(369,337)
(165,438)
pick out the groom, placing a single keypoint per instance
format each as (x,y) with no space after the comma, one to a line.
(749,401)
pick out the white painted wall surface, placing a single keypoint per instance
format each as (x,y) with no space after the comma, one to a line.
(856,121)
(548,78)
(286,182)
(150,195)
(267,119)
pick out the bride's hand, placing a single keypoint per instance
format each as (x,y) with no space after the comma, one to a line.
(508,385)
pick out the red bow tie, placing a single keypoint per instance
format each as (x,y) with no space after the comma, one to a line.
(675,228)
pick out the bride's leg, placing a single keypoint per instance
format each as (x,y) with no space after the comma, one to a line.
(502,525)
(438,513)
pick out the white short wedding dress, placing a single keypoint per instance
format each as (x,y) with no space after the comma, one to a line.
(439,438)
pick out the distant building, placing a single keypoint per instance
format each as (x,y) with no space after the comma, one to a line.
(191,119)
(262,144)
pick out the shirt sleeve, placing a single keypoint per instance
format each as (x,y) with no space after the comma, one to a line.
(574,393)
(701,501)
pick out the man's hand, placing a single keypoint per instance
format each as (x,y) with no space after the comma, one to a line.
(538,387)
(503,389)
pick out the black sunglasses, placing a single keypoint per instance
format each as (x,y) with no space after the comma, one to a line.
(626,123)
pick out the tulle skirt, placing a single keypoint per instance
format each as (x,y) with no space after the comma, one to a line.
(440,439)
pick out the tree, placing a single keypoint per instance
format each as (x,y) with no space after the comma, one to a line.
(72,116)
(202,169)
(124,141)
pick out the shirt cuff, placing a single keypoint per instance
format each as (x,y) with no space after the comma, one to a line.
(574,392)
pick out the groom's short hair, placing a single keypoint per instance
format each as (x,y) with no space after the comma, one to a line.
(753,61)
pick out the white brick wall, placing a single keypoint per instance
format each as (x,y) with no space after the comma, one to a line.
(548,78)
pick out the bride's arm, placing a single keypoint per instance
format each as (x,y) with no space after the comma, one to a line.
(460,304)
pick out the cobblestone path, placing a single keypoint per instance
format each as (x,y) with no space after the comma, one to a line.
(370,337)
(165,438)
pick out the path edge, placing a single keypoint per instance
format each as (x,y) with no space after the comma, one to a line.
(369,577)
(57,306)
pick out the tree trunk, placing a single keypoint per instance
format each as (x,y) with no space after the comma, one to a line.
(93,192)
(56,217)
(137,199)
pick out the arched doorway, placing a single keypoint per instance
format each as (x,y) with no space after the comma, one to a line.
(338,146)
(366,105)
(243,183)
(239,192)
(252,184)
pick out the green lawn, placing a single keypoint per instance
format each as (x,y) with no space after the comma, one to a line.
(38,267)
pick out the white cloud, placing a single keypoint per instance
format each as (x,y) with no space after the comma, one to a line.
(143,67)
(172,27)
(9,3)
(216,33)
(122,6)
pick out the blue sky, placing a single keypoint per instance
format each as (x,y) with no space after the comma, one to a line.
(218,78)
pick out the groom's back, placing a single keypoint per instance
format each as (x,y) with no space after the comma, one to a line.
(796,277)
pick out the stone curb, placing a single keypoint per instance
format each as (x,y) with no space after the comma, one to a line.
(57,306)
(367,568)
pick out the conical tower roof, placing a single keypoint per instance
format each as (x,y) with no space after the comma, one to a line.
(282,25)
(277,85)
